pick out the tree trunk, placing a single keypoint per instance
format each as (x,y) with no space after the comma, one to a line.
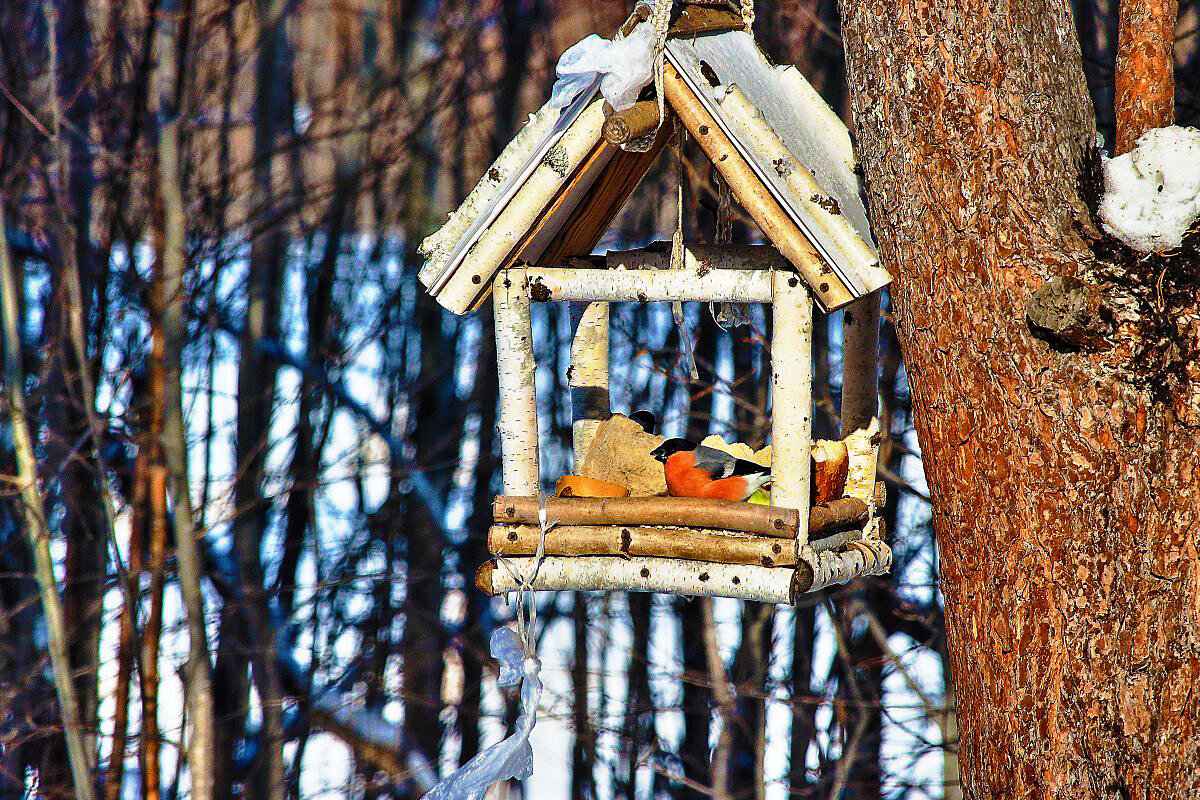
(256,399)
(804,704)
(473,550)
(582,749)
(638,732)
(1063,482)
(423,643)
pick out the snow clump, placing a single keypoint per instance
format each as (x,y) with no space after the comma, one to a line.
(1152,193)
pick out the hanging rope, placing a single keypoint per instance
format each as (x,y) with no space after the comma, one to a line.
(685,338)
(526,607)
(660,20)
(726,315)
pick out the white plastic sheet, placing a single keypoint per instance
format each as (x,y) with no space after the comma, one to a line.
(511,757)
(623,65)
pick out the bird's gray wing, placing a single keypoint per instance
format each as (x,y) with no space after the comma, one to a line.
(715,462)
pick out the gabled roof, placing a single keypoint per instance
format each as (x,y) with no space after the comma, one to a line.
(555,189)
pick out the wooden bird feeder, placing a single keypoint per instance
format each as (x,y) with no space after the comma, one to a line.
(524,235)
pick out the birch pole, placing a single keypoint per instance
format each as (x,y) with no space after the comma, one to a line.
(860,360)
(588,377)
(750,192)
(791,400)
(552,284)
(517,372)
(676,576)
(171,263)
(860,400)
(37,529)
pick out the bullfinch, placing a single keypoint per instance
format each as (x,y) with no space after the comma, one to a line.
(693,470)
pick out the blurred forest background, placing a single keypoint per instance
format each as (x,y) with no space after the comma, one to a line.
(211,214)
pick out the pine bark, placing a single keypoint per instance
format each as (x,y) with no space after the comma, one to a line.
(1063,479)
(1145,71)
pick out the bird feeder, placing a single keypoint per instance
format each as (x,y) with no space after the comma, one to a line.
(525,235)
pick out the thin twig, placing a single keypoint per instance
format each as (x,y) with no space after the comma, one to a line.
(38,530)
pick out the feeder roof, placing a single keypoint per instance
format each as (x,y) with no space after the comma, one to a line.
(557,186)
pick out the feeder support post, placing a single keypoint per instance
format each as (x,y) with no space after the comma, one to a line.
(588,376)
(791,396)
(517,383)
(860,363)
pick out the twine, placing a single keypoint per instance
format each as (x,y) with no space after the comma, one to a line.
(524,590)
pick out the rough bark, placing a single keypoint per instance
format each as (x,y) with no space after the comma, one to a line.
(1145,72)
(1064,489)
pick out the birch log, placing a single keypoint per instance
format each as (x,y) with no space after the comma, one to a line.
(438,246)
(719,547)
(671,575)
(467,286)
(860,363)
(683,512)
(862,448)
(549,284)
(680,512)
(837,514)
(517,384)
(809,199)
(752,194)
(699,257)
(634,122)
(864,556)
(588,377)
(791,396)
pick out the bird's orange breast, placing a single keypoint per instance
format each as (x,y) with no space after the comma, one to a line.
(684,479)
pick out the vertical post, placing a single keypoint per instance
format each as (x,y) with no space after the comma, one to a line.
(588,377)
(860,363)
(860,399)
(792,400)
(517,382)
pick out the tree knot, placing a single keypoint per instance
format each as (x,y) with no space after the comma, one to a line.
(1071,316)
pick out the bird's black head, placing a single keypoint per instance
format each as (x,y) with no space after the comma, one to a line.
(670,447)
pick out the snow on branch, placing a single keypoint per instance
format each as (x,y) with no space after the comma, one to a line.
(1152,193)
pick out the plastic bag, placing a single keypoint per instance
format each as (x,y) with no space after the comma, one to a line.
(511,757)
(624,66)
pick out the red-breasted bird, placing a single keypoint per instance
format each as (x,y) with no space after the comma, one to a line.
(693,470)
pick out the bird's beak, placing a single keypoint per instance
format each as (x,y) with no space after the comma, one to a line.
(657,455)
